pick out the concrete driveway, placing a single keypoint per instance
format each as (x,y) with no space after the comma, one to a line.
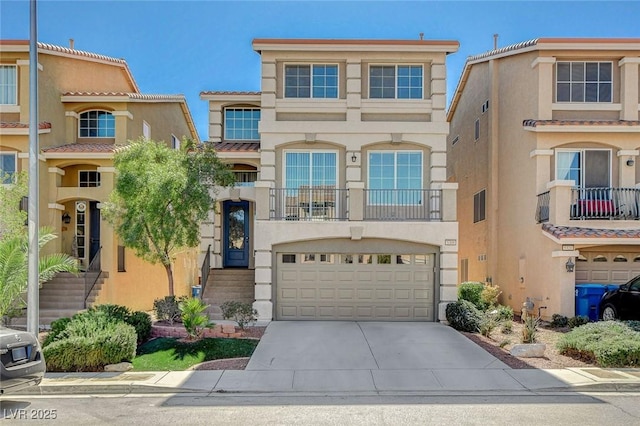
(346,345)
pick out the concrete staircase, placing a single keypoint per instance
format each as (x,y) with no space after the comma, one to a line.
(63,296)
(225,285)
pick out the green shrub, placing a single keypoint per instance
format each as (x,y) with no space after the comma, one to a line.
(489,295)
(141,322)
(507,327)
(472,292)
(57,327)
(463,315)
(242,313)
(530,329)
(504,313)
(194,318)
(559,321)
(608,343)
(89,347)
(117,312)
(634,325)
(577,321)
(488,322)
(168,309)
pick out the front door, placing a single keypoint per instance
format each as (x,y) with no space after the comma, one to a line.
(236,234)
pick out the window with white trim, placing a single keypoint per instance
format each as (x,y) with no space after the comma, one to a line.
(146,130)
(97,124)
(8,167)
(395,177)
(175,142)
(588,168)
(584,82)
(310,179)
(241,124)
(311,81)
(88,178)
(8,85)
(395,82)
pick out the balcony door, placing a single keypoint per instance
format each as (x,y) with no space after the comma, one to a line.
(588,168)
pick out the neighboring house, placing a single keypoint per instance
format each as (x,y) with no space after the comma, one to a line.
(343,211)
(89,106)
(544,146)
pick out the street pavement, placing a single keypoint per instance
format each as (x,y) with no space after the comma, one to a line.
(364,358)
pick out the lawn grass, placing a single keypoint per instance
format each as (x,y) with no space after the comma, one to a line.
(173,355)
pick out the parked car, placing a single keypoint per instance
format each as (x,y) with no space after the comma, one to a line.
(21,361)
(622,303)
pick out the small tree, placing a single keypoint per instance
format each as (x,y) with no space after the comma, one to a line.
(12,219)
(161,195)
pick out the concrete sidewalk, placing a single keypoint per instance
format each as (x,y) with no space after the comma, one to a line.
(363,381)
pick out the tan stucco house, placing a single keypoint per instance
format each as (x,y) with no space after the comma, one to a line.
(89,106)
(342,210)
(544,144)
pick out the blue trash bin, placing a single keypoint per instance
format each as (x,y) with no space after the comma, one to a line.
(588,299)
(195,291)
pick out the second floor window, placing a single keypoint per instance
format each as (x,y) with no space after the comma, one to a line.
(8,167)
(89,178)
(311,81)
(584,82)
(395,177)
(97,124)
(8,85)
(395,81)
(241,124)
(588,168)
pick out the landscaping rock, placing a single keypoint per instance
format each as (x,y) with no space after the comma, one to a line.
(529,350)
(119,367)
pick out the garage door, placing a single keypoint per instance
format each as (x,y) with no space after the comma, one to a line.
(339,286)
(615,267)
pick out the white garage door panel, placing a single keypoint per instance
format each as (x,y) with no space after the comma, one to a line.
(616,267)
(355,291)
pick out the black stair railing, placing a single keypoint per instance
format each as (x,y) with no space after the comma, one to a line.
(91,275)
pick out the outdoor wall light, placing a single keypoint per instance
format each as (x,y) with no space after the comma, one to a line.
(570,265)
(630,162)
(354,157)
(66,218)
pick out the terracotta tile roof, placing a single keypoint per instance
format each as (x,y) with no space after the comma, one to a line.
(136,96)
(227,92)
(237,146)
(561,232)
(54,48)
(380,42)
(536,123)
(84,147)
(18,125)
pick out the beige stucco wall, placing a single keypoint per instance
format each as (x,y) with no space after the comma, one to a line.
(517,164)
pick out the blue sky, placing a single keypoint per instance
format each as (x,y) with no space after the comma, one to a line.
(190,46)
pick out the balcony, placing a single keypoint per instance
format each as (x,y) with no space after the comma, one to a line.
(564,203)
(326,203)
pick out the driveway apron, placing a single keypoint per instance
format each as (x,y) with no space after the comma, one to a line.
(347,345)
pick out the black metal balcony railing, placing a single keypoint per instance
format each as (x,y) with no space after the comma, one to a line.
(596,203)
(542,210)
(403,204)
(317,203)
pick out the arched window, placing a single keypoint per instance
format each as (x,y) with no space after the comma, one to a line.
(619,258)
(97,124)
(599,258)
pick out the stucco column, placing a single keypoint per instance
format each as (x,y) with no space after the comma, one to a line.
(566,303)
(543,168)
(448,202)
(71,126)
(121,125)
(629,88)
(559,201)
(262,200)
(545,86)
(356,200)
(627,167)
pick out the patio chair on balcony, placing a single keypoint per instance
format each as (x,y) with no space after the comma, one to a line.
(317,200)
(594,209)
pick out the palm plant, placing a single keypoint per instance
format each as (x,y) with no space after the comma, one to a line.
(14,252)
